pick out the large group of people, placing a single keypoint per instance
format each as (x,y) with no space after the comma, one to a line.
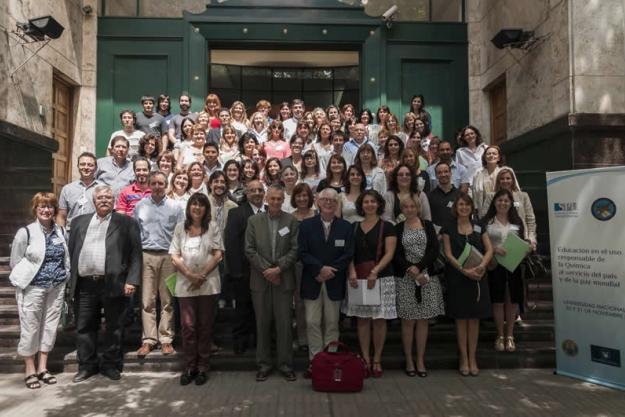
(279,215)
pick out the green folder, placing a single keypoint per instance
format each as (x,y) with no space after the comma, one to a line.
(516,250)
(470,256)
(170,281)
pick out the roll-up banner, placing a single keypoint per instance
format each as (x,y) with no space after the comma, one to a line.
(587,233)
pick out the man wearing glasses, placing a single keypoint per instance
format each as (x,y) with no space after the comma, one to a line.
(325,249)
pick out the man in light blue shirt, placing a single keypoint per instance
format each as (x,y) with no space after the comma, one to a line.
(157,216)
(459,175)
(351,148)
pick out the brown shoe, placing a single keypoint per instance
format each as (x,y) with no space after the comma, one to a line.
(145,349)
(167,349)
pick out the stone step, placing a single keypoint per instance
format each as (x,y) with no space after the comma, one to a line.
(528,355)
(443,333)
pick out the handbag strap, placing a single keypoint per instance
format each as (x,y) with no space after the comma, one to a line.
(339,347)
(378,250)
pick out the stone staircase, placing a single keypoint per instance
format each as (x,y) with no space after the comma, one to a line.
(534,336)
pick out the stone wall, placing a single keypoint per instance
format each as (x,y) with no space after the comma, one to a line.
(579,67)
(72,57)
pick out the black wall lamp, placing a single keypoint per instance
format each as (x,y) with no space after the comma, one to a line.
(514,38)
(39,29)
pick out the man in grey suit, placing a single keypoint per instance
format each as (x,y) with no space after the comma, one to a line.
(271,247)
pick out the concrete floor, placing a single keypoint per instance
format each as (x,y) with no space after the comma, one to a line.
(517,392)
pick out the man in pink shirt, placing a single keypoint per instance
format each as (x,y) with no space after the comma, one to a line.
(130,195)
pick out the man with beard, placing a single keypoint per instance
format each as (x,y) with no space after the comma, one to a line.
(238,267)
(77,197)
(157,216)
(105,252)
(130,195)
(459,175)
(116,170)
(174,130)
(148,121)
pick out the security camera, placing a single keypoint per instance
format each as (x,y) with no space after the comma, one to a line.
(388,15)
(87,10)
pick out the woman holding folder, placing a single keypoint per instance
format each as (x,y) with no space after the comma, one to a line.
(468,252)
(506,287)
(196,250)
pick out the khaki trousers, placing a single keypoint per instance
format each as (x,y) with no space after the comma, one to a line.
(322,310)
(157,267)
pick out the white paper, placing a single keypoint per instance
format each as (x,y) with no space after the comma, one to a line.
(339,243)
(284,231)
(362,295)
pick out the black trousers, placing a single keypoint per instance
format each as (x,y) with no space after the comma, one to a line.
(244,320)
(90,299)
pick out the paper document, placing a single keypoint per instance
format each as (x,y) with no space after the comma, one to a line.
(470,257)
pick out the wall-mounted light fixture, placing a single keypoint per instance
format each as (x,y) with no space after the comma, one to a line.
(39,29)
(514,38)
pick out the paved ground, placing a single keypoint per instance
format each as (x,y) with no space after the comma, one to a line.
(518,392)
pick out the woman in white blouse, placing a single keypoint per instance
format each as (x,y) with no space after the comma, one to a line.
(196,250)
(484,179)
(505,287)
(471,149)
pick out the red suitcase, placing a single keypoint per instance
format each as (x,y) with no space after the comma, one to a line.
(340,371)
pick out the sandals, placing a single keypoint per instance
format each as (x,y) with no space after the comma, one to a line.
(46,377)
(510,345)
(500,344)
(32,382)
(376,370)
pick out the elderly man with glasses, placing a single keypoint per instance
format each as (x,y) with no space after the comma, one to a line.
(326,247)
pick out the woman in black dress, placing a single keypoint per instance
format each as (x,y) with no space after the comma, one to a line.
(370,205)
(468,299)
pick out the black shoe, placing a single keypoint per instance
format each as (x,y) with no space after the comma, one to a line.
(262,376)
(201,378)
(84,375)
(289,375)
(411,373)
(111,373)
(187,377)
(422,374)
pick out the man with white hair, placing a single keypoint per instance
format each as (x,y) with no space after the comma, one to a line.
(326,246)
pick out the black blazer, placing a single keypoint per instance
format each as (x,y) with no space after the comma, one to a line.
(315,252)
(124,256)
(237,264)
(400,263)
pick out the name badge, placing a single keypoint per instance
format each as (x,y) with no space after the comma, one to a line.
(339,243)
(284,231)
(517,204)
(477,229)
(450,204)
(58,241)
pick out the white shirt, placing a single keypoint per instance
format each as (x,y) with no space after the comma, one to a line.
(92,258)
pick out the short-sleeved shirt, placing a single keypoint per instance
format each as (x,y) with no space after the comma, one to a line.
(129,197)
(176,122)
(157,222)
(116,176)
(440,205)
(133,140)
(77,199)
(366,245)
(196,252)
(149,124)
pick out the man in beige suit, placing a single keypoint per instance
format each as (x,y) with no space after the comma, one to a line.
(271,247)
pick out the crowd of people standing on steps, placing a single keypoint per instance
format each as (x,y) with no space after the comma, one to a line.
(279,214)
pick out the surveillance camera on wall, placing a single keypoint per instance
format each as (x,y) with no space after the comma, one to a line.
(390,13)
(87,10)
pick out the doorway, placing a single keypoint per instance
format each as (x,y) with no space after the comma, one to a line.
(320,78)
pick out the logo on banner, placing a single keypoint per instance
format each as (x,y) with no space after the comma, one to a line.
(570,347)
(567,209)
(603,209)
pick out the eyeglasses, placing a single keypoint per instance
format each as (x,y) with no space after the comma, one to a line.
(257,190)
(327,200)
(309,157)
(45,206)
